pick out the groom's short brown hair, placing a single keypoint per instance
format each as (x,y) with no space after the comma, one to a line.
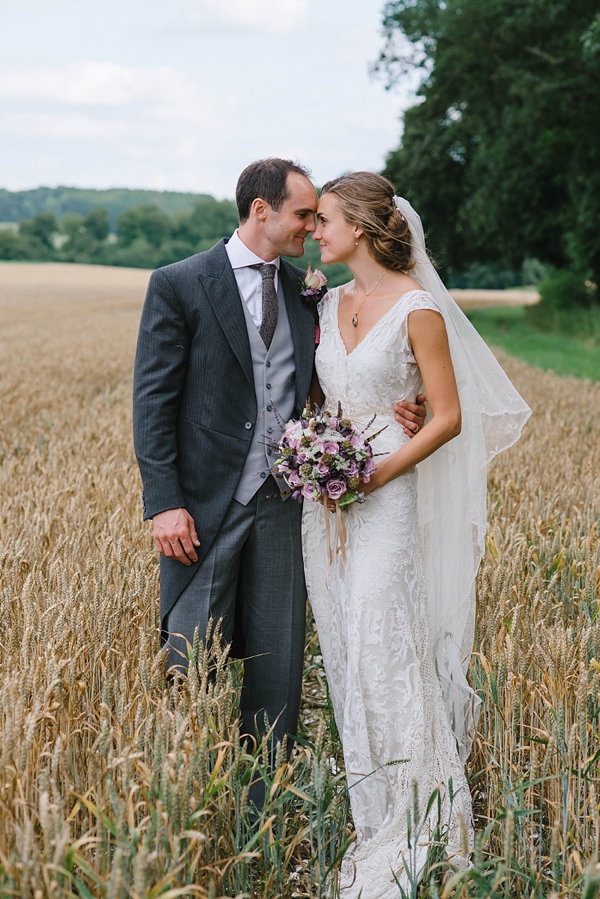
(267,179)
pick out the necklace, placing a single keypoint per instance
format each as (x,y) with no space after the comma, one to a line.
(356,311)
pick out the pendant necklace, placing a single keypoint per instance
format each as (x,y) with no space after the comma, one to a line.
(356,311)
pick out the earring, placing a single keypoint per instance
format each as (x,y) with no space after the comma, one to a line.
(355,243)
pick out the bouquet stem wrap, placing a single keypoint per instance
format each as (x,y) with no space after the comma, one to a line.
(341,532)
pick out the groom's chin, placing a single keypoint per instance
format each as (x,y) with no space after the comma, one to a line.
(295,251)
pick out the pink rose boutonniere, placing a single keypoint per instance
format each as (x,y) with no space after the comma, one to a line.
(312,284)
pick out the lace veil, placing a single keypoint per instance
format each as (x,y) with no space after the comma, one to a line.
(452,487)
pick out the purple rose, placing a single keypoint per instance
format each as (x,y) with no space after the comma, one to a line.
(352,469)
(331,447)
(308,491)
(335,488)
(322,468)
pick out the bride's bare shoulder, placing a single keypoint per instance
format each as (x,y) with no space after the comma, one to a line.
(406,283)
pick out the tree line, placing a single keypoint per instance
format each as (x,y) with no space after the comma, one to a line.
(18,205)
(145,237)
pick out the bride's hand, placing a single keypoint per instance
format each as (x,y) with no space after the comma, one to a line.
(326,501)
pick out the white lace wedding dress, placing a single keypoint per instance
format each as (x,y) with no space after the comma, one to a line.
(372,620)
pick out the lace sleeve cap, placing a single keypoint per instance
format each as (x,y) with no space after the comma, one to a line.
(415,300)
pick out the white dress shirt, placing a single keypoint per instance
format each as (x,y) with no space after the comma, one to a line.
(249,280)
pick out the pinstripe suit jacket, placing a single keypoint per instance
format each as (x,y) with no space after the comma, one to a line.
(194,400)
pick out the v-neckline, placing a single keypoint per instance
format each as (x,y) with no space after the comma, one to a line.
(385,315)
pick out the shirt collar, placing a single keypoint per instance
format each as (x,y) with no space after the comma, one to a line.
(241,257)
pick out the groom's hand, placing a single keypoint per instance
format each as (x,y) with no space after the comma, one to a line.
(411,415)
(175,535)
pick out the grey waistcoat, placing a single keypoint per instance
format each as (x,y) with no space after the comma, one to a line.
(275,385)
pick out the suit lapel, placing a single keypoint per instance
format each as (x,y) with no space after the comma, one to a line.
(302,326)
(223,295)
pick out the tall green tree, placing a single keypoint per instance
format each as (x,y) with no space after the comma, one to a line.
(501,155)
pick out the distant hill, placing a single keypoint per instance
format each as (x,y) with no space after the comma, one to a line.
(25,204)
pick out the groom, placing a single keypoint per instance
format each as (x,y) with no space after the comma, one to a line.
(225,351)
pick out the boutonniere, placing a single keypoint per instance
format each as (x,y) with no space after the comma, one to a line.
(312,284)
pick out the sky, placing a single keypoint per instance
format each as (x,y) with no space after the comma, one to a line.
(182,94)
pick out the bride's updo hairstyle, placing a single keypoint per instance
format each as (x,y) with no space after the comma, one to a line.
(367,200)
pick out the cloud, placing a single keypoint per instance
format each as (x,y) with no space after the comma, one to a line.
(71,126)
(23,5)
(97,83)
(276,16)
(69,99)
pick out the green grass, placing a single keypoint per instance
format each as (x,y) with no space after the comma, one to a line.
(507,328)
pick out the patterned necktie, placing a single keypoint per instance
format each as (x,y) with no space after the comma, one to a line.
(270,303)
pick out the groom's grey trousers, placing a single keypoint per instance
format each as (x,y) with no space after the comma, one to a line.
(255,563)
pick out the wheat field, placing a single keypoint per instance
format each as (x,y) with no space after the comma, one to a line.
(114,784)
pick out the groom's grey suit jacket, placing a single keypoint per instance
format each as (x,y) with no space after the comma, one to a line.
(195,408)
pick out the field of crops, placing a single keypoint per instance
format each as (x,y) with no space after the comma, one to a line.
(114,785)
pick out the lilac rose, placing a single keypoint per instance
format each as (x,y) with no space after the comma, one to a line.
(336,488)
(330,446)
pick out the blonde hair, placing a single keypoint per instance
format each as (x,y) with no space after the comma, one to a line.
(367,200)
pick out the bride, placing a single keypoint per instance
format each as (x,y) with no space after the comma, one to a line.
(396,623)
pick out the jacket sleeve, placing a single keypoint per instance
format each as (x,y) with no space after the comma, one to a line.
(159,373)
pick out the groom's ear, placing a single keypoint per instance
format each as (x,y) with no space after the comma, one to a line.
(259,208)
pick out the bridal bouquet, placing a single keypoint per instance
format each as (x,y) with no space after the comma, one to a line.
(324,457)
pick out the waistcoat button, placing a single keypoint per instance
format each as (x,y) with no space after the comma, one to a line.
(263,474)
(268,386)
(269,408)
(248,425)
(268,364)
